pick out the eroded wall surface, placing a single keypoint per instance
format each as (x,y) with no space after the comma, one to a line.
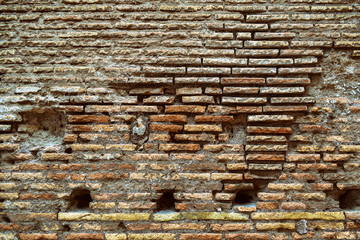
(191,119)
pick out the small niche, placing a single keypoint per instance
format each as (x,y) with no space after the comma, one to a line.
(166,202)
(68,150)
(80,199)
(6,219)
(245,199)
(44,126)
(350,200)
(66,228)
(122,227)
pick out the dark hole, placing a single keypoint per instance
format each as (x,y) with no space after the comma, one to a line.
(12,162)
(350,200)
(166,202)
(66,228)
(80,198)
(243,198)
(122,226)
(6,219)
(68,150)
(2,200)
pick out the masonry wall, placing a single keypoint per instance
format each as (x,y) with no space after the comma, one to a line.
(186,119)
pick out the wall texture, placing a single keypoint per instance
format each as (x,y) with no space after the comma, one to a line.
(183,119)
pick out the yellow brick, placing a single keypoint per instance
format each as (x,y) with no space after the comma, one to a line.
(330,216)
(200,215)
(329,225)
(274,226)
(7,186)
(120,236)
(86,147)
(285,186)
(350,148)
(151,236)
(83,216)
(122,147)
(9,196)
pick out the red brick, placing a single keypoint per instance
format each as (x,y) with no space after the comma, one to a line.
(31,217)
(185,109)
(293,205)
(169,118)
(141,109)
(322,186)
(267,205)
(41,196)
(271,196)
(144,226)
(303,157)
(247,236)
(35,166)
(56,156)
(267,130)
(107,176)
(317,166)
(179,147)
(165,128)
(265,157)
(201,119)
(183,226)
(285,109)
(38,236)
(234,81)
(80,128)
(200,236)
(195,137)
(84,236)
(315,128)
(231,227)
(88,119)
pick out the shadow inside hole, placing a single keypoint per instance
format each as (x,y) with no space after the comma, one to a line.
(350,200)
(6,219)
(122,226)
(245,199)
(66,228)
(80,199)
(166,202)
(68,150)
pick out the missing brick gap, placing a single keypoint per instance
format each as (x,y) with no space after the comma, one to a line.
(6,219)
(245,198)
(166,202)
(44,126)
(350,200)
(66,228)
(122,227)
(80,199)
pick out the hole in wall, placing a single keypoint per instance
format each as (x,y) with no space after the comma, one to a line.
(80,199)
(243,198)
(44,127)
(6,219)
(122,226)
(66,228)
(350,200)
(68,150)
(166,202)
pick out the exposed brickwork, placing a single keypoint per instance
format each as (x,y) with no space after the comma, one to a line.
(192,119)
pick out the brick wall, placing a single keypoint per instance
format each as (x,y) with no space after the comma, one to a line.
(188,119)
